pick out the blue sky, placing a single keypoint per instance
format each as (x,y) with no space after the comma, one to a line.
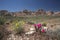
(18,5)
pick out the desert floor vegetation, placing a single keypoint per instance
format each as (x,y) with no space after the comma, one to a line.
(22,28)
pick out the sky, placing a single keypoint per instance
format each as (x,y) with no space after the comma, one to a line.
(19,5)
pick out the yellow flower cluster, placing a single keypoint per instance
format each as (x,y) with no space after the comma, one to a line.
(22,22)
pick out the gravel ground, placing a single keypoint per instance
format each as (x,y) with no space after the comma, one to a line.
(49,35)
(35,36)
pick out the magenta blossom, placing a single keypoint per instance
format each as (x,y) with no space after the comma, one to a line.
(39,25)
(43,30)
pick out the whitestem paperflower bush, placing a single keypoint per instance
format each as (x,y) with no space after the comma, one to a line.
(54,34)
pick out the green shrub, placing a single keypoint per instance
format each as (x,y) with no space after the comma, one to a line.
(2,21)
(44,24)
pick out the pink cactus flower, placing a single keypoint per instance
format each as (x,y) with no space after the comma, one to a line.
(43,30)
(39,25)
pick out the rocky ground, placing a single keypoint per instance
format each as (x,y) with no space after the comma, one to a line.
(35,36)
(50,35)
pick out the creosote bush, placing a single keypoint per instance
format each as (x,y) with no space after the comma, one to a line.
(2,20)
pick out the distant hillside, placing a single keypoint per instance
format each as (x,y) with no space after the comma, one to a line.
(29,13)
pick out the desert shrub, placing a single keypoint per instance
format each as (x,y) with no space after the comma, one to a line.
(44,23)
(3,32)
(1,35)
(30,22)
(54,34)
(19,30)
(2,20)
(58,34)
(17,26)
